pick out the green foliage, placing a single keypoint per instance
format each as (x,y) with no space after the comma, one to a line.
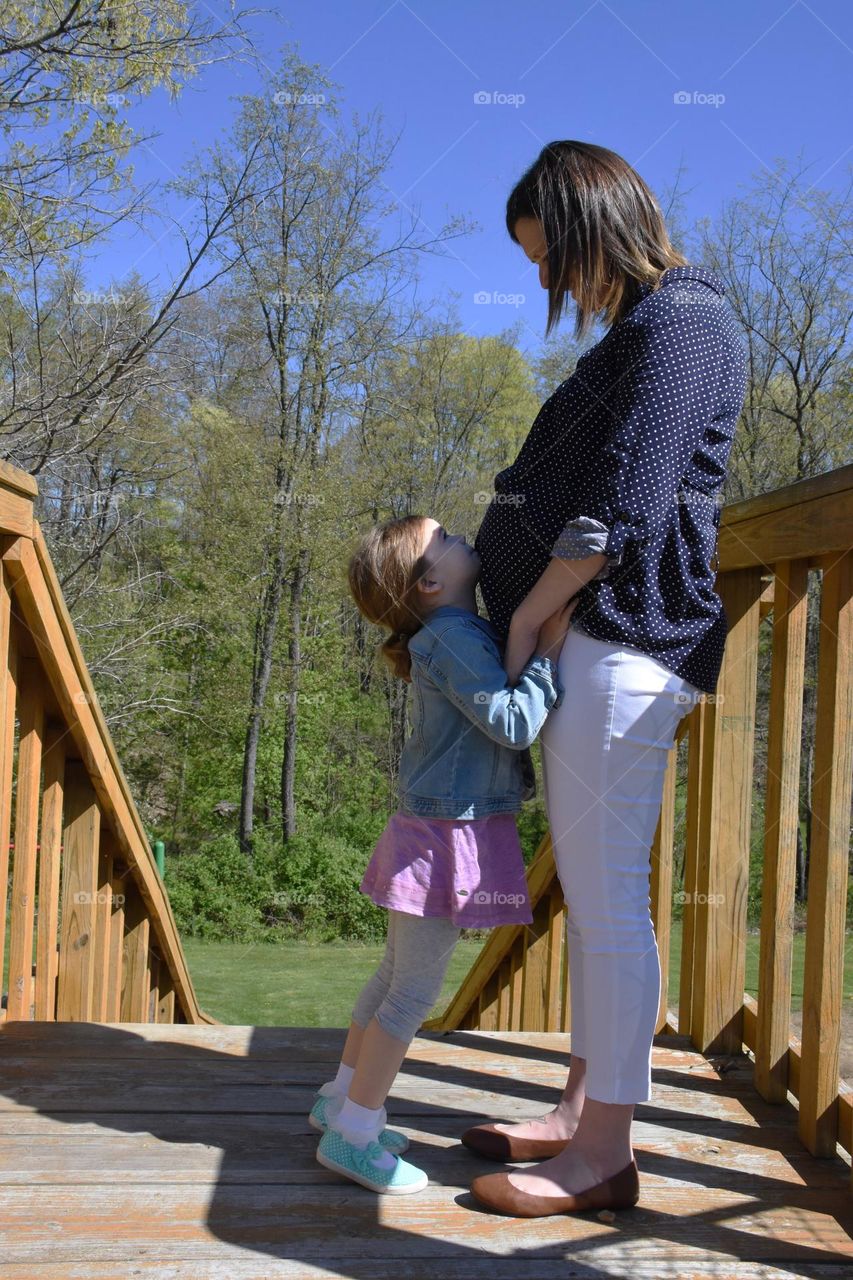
(310,891)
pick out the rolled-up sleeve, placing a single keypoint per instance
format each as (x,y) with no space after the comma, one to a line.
(661,403)
(583,537)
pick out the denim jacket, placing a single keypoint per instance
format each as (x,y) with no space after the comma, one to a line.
(470,728)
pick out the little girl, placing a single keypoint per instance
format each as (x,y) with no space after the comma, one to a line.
(450,857)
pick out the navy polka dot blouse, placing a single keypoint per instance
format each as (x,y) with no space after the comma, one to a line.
(628,458)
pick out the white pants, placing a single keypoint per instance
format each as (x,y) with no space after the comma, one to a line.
(604,753)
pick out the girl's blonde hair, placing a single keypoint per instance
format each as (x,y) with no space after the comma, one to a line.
(383,575)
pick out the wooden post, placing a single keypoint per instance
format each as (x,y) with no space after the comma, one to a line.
(781,819)
(488,1006)
(660,893)
(103,927)
(79,896)
(166,1003)
(719,962)
(134,990)
(556,956)
(697,749)
(504,994)
(116,943)
(21,990)
(49,867)
(8,698)
(827,884)
(535,961)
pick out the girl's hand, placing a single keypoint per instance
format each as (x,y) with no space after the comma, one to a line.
(554,629)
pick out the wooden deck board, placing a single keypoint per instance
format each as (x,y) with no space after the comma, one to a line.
(165,1151)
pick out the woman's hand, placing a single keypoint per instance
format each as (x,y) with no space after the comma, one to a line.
(560,582)
(554,629)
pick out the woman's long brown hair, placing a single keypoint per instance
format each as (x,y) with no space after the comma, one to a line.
(603,228)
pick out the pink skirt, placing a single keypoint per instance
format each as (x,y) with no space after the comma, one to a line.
(469,872)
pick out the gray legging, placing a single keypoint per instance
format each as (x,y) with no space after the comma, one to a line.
(408,982)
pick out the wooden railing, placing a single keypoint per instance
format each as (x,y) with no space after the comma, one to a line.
(766,547)
(91,933)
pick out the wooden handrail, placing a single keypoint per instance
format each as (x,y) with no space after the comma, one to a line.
(520,979)
(106,944)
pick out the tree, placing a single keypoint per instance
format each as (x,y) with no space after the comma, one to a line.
(784,252)
(316,287)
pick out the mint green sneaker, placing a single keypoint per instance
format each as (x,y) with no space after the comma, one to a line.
(391,1139)
(357,1163)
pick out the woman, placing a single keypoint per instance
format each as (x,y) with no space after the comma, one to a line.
(614,497)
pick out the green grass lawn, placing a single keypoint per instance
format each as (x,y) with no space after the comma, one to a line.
(302,985)
(296,984)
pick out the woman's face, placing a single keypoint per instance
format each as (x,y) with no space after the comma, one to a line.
(531,237)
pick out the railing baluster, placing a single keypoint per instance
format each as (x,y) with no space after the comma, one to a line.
(134,990)
(116,944)
(166,1003)
(828,871)
(79,896)
(719,959)
(103,926)
(660,893)
(556,947)
(49,868)
(785,718)
(698,745)
(153,987)
(534,965)
(8,698)
(22,925)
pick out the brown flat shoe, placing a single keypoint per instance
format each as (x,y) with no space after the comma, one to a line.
(621,1191)
(492,1143)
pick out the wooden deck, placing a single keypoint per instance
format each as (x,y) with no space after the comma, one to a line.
(134,1150)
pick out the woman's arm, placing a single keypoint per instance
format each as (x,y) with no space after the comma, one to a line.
(559,582)
(466,666)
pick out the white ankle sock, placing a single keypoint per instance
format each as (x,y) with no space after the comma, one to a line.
(343,1079)
(338,1087)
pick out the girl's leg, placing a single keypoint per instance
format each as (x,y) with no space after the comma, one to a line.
(422,950)
(370,997)
(605,752)
(368,1001)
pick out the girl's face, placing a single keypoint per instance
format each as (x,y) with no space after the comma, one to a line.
(455,564)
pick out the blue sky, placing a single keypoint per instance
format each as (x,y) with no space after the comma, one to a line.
(766,79)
